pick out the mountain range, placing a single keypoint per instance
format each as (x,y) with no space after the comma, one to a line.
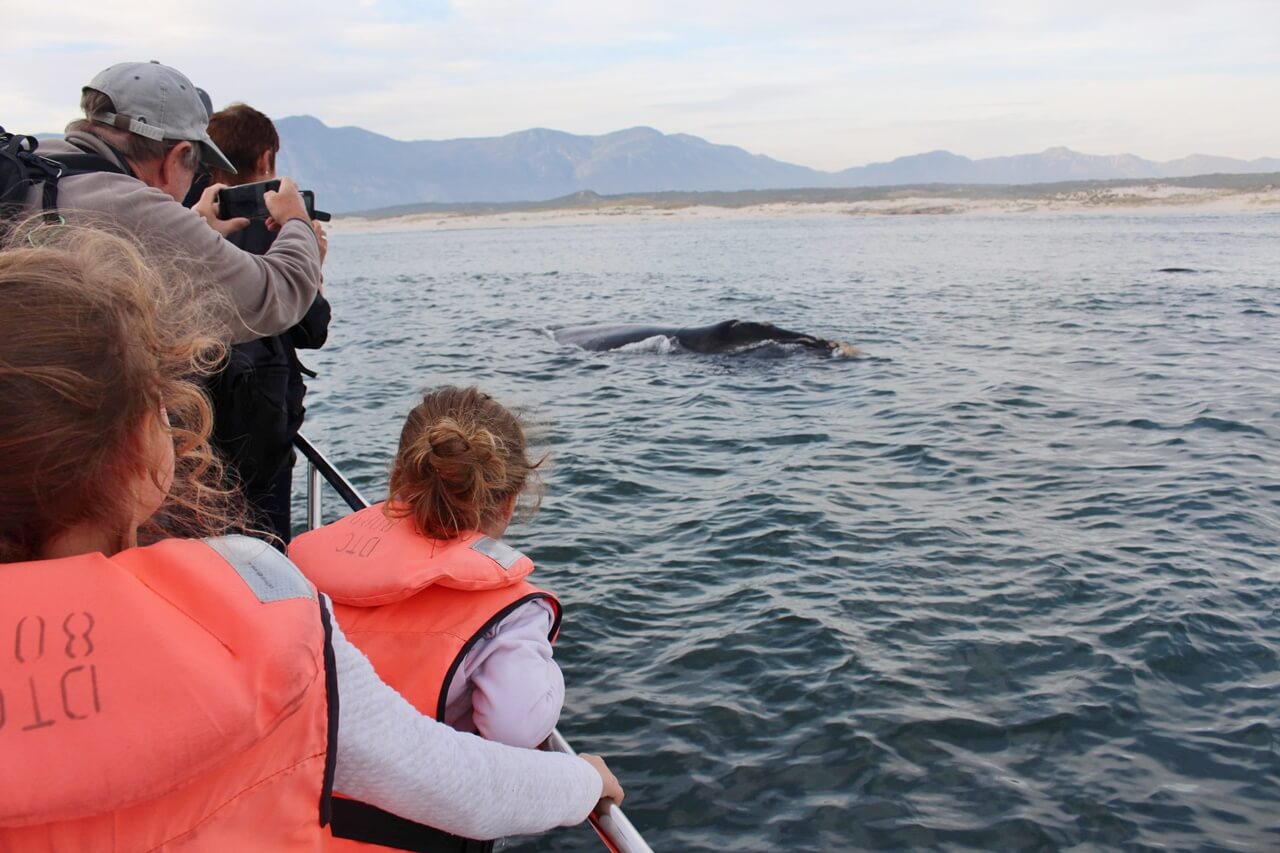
(352,169)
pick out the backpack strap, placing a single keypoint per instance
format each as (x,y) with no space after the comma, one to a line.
(21,168)
(80,163)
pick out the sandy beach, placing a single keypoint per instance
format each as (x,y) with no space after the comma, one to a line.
(1148,198)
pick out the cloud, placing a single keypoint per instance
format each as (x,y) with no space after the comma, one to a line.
(823,84)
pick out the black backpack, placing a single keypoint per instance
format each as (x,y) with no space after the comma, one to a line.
(21,168)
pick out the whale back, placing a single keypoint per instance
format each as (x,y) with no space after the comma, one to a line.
(724,336)
(602,338)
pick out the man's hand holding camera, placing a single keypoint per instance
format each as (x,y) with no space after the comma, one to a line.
(280,205)
(207,207)
(285,204)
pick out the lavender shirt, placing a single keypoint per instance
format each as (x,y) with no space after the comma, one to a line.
(508,688)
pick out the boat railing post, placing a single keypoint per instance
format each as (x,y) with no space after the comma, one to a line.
(314,483)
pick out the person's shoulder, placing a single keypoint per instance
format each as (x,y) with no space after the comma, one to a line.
(111,191)
(271,575)
(112,179)
(79,180)
(533,618)
(56,145)
(125,202)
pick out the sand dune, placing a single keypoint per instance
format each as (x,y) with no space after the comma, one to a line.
(1149,198)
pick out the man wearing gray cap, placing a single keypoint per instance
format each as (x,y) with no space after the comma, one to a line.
(148,122)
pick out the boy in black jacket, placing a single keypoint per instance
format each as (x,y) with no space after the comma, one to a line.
(257,398)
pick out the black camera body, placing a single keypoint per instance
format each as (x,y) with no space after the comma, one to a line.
(247,201)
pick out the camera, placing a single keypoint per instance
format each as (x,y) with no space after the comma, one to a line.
(246,201)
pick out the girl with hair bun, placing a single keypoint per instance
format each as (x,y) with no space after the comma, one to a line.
(423,585)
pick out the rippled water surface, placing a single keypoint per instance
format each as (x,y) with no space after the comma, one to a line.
(1009,582)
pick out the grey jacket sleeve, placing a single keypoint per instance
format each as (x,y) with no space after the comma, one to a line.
(261,294)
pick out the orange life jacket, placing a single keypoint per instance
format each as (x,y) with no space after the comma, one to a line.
(173,697)
(416,606)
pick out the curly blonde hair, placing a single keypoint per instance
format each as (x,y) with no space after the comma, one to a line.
(95,336)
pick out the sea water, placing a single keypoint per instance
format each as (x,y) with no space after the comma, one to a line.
(1009,582)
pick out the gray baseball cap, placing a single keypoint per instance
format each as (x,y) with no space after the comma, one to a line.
(158,102)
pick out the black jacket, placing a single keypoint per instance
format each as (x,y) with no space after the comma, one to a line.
(257,398)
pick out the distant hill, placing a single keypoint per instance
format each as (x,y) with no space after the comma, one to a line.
(352,169)
(1050,166)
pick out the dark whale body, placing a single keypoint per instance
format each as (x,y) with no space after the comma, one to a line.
(718,337)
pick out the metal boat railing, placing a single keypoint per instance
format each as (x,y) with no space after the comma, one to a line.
(613,827)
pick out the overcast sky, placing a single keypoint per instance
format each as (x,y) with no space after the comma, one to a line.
(827,84)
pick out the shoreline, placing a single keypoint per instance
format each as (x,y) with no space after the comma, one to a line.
(1157,199)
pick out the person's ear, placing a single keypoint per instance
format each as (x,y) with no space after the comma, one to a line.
(175,175)
(265,165)
(176,156)
(152,442)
